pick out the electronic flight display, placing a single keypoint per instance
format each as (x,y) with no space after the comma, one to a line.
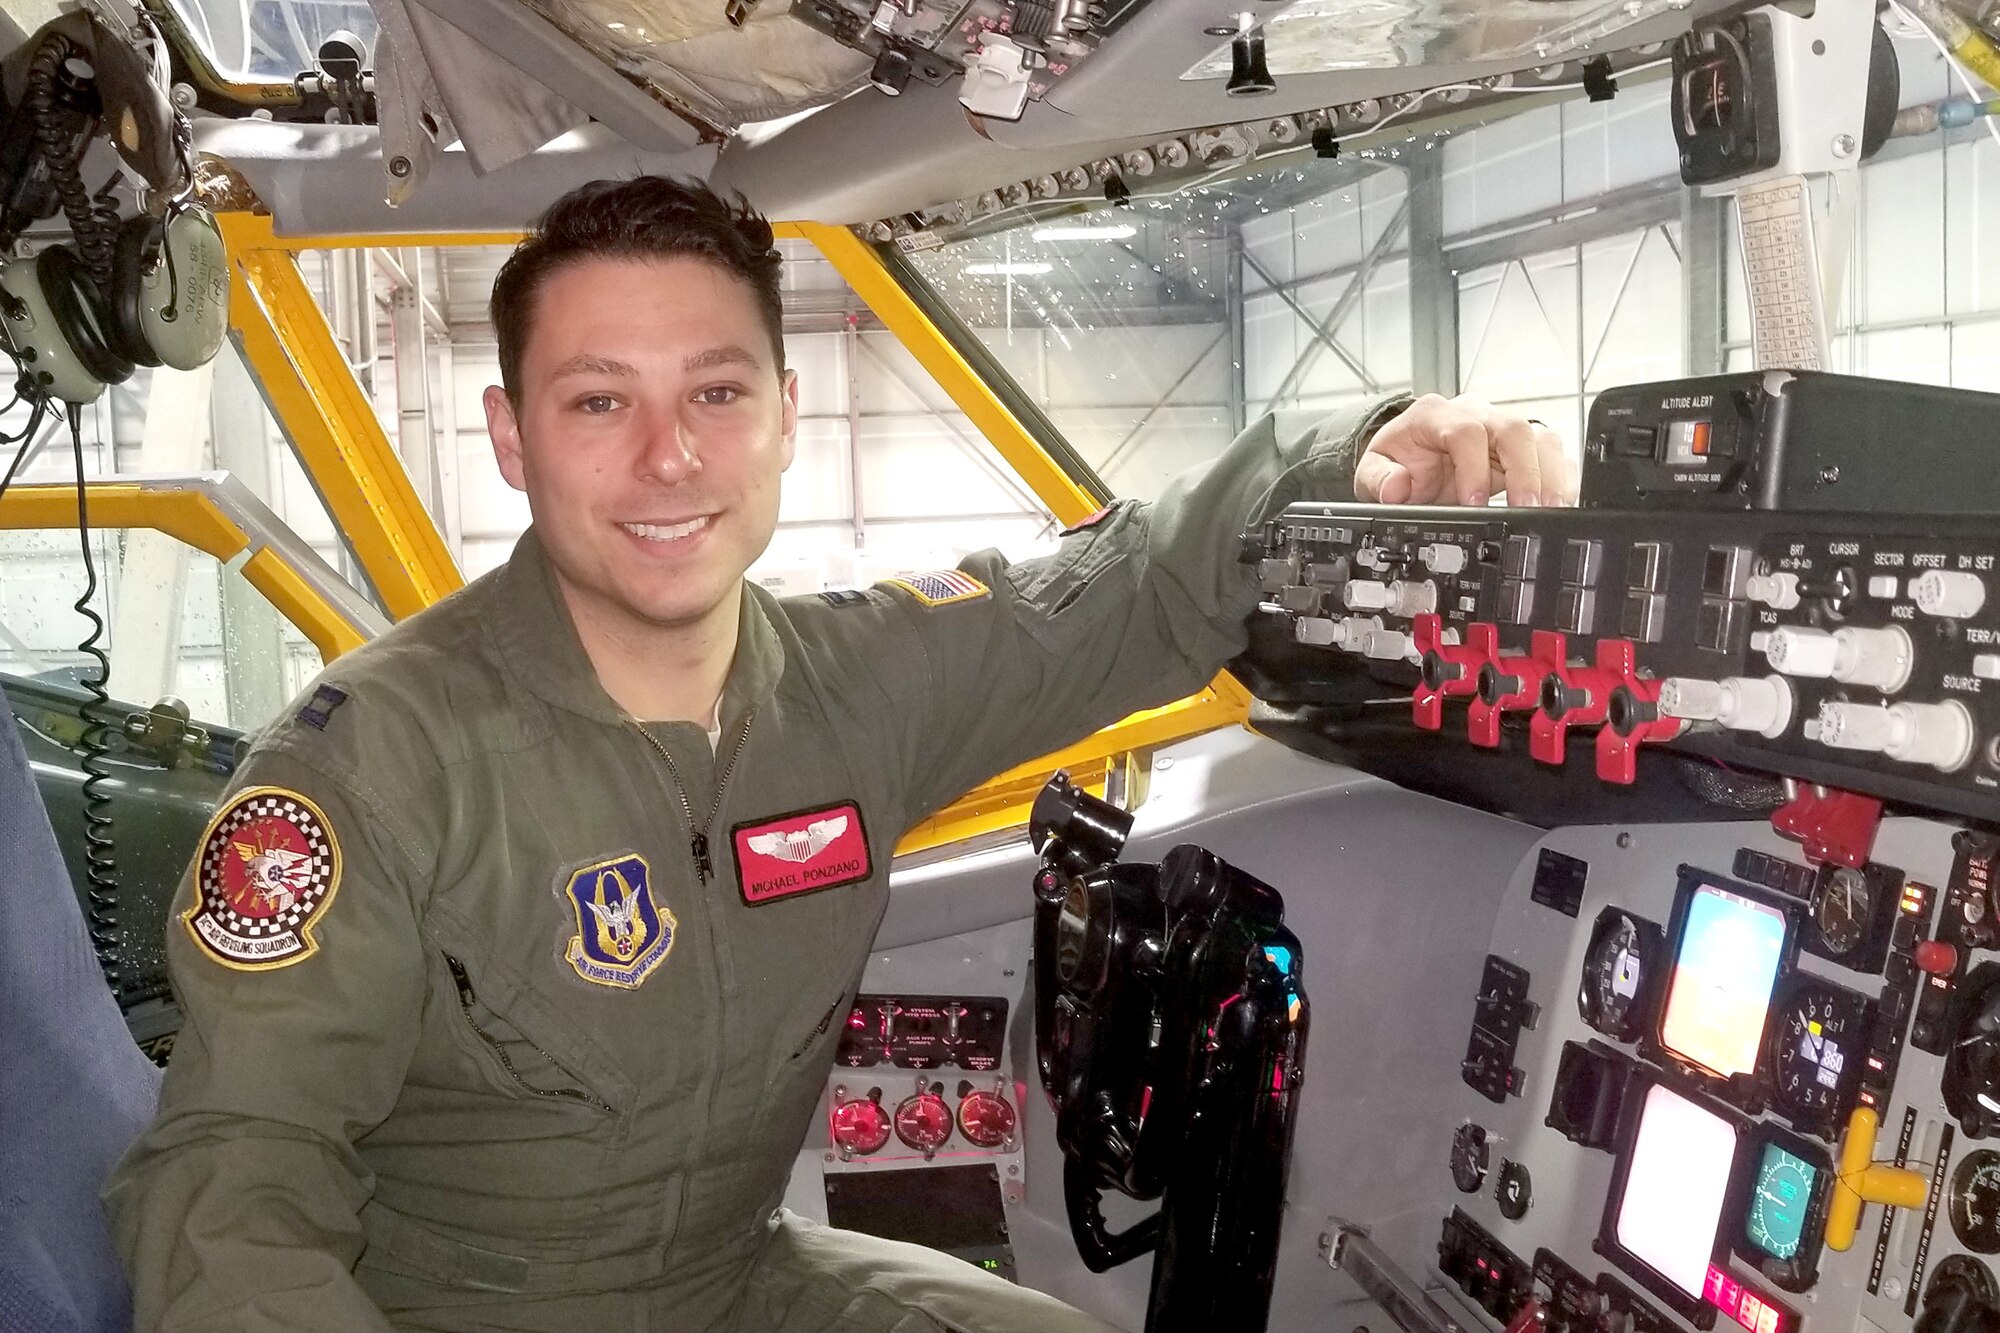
(1728,953)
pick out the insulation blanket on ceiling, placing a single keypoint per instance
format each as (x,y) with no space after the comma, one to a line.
(685,51)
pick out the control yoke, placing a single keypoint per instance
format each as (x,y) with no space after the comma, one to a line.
(1170,1034)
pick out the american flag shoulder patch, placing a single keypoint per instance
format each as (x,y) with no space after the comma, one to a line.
(942,587)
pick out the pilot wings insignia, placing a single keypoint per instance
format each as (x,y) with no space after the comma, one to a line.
(799,844)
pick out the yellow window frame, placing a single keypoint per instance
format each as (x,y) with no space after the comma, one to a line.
(193,517)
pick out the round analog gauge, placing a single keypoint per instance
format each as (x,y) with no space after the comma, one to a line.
(986,1119)
(1614,972)
(1842,907)
(923,1122)
(1818,1043)
(1975,1201)
(860,1126)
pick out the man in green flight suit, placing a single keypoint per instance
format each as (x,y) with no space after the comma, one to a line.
(511,962)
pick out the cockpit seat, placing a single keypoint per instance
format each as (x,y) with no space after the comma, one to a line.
(74,1089)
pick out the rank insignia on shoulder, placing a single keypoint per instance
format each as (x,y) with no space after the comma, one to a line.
(266,872)
(942,587)
(621,933)
(320,707)
(803,852)
(844,597)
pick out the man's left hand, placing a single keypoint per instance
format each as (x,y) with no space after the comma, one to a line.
(1463,450)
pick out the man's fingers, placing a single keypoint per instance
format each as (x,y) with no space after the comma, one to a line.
(1380,479)
(1465,442)
(1516,457)
(1558,476)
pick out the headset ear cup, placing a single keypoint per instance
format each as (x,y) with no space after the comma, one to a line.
(125,304)
(80,314)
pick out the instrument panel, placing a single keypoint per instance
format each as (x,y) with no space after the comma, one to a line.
(1690,1094)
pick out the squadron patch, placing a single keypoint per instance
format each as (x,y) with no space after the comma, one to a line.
(803,852)
(267,872)
(621,933)
(942,587)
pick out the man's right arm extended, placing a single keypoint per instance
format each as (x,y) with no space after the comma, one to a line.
(238,1208)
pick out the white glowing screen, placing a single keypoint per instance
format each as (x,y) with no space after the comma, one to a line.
(1674,1187)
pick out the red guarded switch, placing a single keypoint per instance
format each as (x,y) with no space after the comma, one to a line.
(1632,718)
(1450,670)
(1567,696)
(1833,825)
(1506,685)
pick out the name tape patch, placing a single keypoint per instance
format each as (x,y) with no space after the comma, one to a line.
(268,869)
(942,587)
(803,852)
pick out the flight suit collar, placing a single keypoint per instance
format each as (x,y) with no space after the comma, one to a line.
(538,644)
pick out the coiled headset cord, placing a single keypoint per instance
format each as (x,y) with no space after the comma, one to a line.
(100,858)
(55,96)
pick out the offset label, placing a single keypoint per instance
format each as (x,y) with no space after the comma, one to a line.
(802,852)
(267,871)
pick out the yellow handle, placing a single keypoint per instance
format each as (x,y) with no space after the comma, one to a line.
(1858,1180)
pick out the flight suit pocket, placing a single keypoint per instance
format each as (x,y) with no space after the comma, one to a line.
(1053,597)
(521,1063)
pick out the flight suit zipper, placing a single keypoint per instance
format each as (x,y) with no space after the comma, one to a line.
(467,999)
(698,848)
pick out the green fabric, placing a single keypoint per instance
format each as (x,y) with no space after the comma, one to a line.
(358,1133)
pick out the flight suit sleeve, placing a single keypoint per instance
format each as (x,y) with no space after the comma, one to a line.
(1139,606)
(238,1208)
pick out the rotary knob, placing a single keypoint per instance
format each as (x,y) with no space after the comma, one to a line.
(859,1127)
(1940,735)
(923,1122)
(986,1119)
(1365,595)
(1951,593)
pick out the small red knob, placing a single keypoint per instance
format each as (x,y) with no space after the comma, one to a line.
(1936,957)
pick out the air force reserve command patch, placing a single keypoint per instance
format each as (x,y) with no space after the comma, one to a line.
(621,933)
(942,587)
(802,852)
(267,872)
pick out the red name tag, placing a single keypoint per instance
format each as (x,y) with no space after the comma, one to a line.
(799,853)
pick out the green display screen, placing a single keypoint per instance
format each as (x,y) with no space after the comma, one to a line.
(1779,1202)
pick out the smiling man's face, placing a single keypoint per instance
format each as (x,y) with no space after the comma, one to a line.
(651,432)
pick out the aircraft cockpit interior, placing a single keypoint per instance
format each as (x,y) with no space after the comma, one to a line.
(1573,908)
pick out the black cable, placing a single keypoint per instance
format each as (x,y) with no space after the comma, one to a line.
(27,439)
(92,222)
(100,859)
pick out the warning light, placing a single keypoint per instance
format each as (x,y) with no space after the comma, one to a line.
(1755,1312)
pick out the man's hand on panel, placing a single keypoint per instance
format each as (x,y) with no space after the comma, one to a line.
(1463,451)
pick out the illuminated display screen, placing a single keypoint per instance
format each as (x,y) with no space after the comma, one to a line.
(1779,1201)
(1720,994)
(1757,1314)
(1675,1180)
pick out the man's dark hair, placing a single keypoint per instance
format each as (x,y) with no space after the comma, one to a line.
(647,217)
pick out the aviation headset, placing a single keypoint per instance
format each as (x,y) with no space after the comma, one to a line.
(167,302)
